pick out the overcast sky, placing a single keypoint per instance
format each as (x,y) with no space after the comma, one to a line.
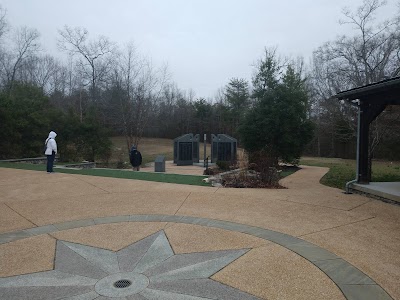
(204,42)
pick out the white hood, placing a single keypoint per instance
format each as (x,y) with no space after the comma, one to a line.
(52,135)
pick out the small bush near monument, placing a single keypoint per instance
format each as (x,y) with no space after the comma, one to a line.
(259,171)
(223,165)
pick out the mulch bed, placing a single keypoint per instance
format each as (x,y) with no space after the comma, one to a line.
(250,179)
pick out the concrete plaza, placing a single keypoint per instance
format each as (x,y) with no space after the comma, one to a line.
(308,241)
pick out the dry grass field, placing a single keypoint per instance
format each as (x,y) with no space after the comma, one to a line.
(150,148)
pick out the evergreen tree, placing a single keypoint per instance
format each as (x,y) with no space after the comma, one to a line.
(25,120)
(278,124)
(238,100)
(202,113)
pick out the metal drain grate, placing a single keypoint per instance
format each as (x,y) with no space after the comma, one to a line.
(123,283)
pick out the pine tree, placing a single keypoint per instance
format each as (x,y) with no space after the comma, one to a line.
(278,124)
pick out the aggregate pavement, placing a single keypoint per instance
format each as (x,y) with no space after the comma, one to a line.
(68,236)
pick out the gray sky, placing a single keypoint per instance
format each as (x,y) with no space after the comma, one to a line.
(205,43)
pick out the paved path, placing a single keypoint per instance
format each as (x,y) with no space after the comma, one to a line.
(304,242)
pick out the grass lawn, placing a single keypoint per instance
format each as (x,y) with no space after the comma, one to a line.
(344,170)
(158,177)
(150,149)
(283,174)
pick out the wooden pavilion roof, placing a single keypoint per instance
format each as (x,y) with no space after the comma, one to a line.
(383,92)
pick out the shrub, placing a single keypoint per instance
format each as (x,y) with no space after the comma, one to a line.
(223,165)
(266,167)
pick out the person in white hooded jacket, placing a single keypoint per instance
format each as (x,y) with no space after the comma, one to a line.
(51,151)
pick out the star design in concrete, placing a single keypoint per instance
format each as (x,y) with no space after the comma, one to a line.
(145,270)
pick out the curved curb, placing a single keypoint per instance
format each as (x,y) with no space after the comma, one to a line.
(354,284)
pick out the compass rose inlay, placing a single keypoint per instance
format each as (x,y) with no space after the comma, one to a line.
(147,269)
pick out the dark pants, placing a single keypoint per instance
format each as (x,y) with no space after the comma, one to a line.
(50,162)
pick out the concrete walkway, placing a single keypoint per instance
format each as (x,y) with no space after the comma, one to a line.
(304,242)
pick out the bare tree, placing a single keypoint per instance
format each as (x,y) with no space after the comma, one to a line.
(141,86)
(95,56)
(3,22)
(146,94)
(59,80)
(370,55)
(24,45)
(323,83)
(130,67)
(39,70)
(375,51)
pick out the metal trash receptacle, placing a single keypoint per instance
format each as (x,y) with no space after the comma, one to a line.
(159,164)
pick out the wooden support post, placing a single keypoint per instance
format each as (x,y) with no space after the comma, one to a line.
(368,113)
(363,145)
